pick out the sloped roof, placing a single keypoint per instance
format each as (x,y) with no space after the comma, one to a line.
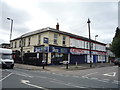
(57,31)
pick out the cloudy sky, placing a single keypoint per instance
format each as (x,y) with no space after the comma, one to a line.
(72,15)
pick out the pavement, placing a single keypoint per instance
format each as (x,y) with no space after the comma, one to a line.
(62,67)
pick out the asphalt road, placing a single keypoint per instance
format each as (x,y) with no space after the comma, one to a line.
(103,78)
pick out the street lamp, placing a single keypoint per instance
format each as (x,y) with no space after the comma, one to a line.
(95,40)
(89,42)
(95,37)
(11,27)
(95,48)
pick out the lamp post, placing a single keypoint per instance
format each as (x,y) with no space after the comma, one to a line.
(89,42)
(11,27)
(95,48)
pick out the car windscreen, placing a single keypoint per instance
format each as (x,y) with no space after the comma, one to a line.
(6,56)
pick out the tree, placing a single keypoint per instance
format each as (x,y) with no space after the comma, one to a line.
(115,47)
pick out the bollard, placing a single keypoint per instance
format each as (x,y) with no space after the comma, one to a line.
(76,64)
(43,66)
(90,63)
(66,65)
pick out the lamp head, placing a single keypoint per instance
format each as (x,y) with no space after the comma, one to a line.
(8,18)
(96,35)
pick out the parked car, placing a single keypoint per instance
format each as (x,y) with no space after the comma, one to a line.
(112,60)
(117,61)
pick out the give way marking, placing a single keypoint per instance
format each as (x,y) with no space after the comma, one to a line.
(27,82)
(111,74)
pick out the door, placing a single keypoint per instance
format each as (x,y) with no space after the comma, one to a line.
(95,58)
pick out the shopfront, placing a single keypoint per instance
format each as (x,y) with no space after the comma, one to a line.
(82,56)
(58,54)
(54,54)
(78,56)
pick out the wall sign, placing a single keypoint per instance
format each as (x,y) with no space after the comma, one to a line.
(45,40)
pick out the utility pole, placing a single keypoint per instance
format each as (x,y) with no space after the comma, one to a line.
(89,42)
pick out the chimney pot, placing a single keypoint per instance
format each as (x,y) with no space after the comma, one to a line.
(57,26)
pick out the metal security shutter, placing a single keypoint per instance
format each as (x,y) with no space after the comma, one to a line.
(77,58)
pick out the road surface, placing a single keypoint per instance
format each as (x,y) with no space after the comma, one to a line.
(89,79)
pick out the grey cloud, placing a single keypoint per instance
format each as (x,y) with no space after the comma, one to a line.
(19,16)
(103,16)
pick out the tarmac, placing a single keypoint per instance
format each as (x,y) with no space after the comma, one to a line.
(63,67)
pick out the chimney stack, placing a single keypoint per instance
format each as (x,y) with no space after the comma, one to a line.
(57,26)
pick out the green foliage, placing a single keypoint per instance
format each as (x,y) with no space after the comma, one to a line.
(115,47)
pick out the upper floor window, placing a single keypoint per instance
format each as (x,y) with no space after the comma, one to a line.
(64,39)
(29,41)
(15,44)
(87,45)
(11,44)
(24,42)
(91,45)
(55,38)
(39,37)
(20,43)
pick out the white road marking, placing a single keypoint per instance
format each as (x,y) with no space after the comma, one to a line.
(111,74)
(20,73)
(28,83)
(94,78)
(76,76)
(25,75)
(103,80)
(89,74)
(106,79)
(6,77)
(67,84)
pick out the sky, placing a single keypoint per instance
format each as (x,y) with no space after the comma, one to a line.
(72,15)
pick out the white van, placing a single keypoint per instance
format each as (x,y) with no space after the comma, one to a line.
(6,60)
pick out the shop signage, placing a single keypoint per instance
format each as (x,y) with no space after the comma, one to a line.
(58,49)
(101,53)
(51,49)
(41,49)
(78,51)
